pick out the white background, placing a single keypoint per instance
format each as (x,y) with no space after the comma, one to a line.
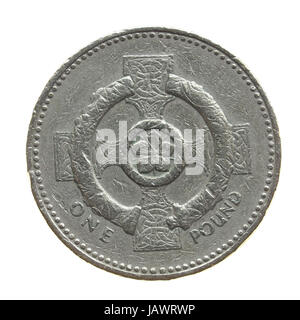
(37,37)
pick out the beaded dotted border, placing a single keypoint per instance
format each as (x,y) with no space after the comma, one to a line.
(44,201)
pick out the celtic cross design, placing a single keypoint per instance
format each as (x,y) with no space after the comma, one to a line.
(149,84)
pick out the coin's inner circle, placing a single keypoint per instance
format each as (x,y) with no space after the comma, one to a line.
(154,153)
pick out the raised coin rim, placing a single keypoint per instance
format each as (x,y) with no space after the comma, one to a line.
(175,274)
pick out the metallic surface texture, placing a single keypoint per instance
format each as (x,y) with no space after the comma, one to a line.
(153,221)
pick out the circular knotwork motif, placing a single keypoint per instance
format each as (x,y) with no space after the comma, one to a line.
(150,165)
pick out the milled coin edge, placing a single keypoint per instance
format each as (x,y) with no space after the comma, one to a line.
(174,274)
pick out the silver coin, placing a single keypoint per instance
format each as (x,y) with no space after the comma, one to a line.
(156,216)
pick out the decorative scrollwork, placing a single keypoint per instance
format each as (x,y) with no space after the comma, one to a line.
(93,192)
(186,214)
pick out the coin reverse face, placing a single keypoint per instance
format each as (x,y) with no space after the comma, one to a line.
(153,153)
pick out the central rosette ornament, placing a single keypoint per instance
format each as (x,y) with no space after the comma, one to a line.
(153,156)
